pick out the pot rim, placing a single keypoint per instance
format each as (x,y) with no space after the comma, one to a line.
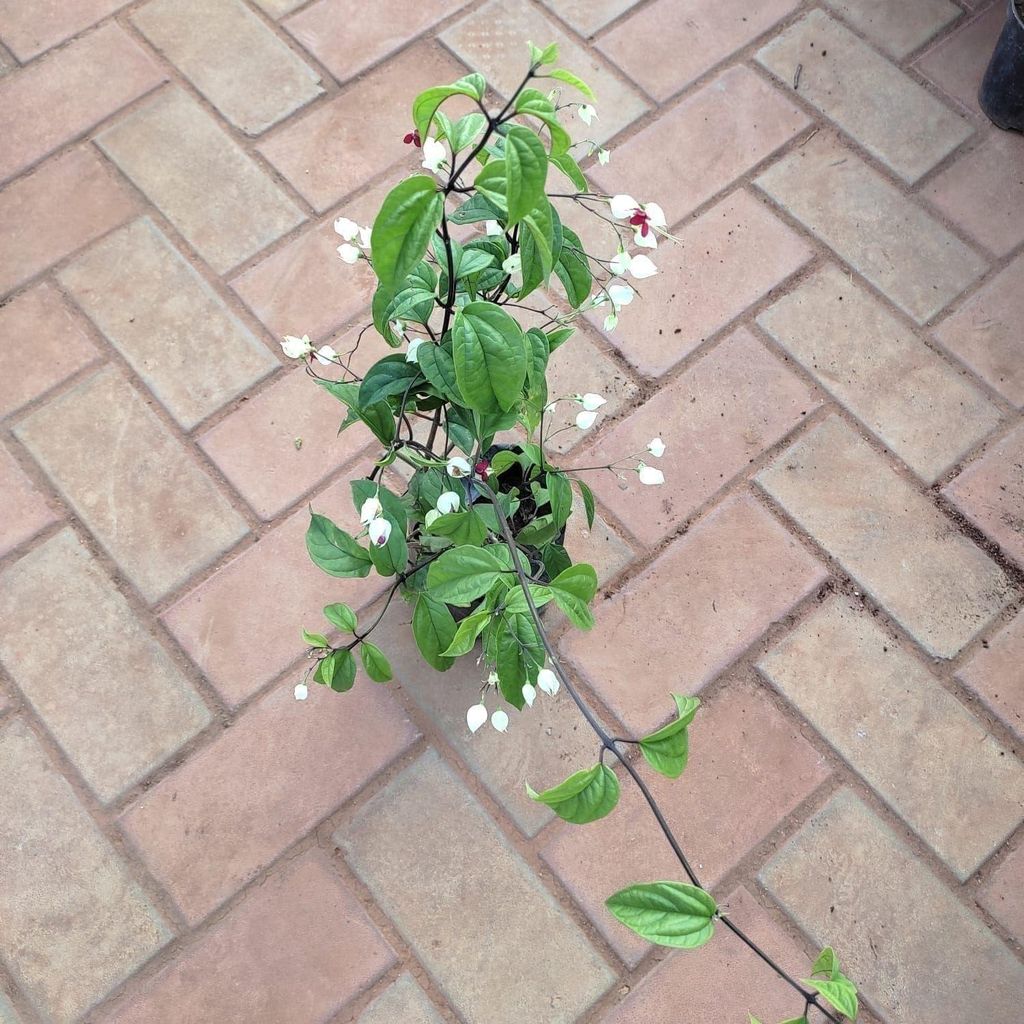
(1012,9)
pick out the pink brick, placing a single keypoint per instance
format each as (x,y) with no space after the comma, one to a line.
(346,45)
(957,63)
(282,443)
(337,148)
(985,332)
(588,16)
(749,120)
(25,509)
(50,103)
(995,673)
(990,492)
(667,44)
(1003,896)
(728,579)
(744,756)
(298,947)
(715,419)
(983,192)
(27,29)
(270,591)
(211,826)
(60,346)
(730,257)
(66,203)
(723,980)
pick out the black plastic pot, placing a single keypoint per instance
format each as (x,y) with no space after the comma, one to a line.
(1001,95)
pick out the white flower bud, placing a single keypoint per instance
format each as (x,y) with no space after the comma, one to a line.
(476,716)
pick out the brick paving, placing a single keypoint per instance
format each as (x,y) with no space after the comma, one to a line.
(834,355)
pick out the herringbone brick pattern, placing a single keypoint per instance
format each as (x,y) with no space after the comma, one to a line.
(835,356)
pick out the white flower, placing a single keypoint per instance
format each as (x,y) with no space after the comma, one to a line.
(499,720)
(379,531)
(644,218)
(603,156)
(586,112)
(649,475)
(398,327)
(301,691)
(623,206)
(434,155)
(365,235)
(620,295)
(492,227)
(586,419)
(476,716)
(547,681)
(656,447)
(349,253)
(348,229)
(513,266)
(448,502)
(371,509)
(590,401)
(458,467)
(326,355)
(639,266)
(529,694)
(410,355)
(296,348)
(430,517)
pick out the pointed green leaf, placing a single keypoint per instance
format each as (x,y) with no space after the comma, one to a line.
(342,616)
(840,992)
(573,269)
(402,230)
(337,670)
(377,666)
(433,628)
(519,655)
(668,749)
(334,550)
(314,639)
(466,131)
(559,498)
(574,589)
(526,169)
(827,963)
(489,353)
(667,913)
(568,166)
(475,208)
(574,80)
(393,556)
(437,365)
(463,574)
(425,105)
(540,57)
(588,502)
(465,636)
(584,797)
(390,376)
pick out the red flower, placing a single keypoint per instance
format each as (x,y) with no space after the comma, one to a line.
(482,469)
(412,138)
(641,220)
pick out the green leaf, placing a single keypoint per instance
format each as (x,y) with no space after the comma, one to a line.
(466,131)
(402,230)
(437,365)
(314,639)
(827,963)
(559,497)
(668,749)
(584,797)
(334,550)
(534,103)
(433,628)
(540,57)
(379,418)
(545,241)
(556,559)
(465,636)
(394,507)
(337,670)
(475,208)
(463,574)
(526,169)
(426,104)
(519,655)
(342,616)
(463,527)
(841,993)
(792,1020)
(568,166)
(588,502)
(378,668)
(667,913)
(490,357)
(559,337)
(491,183)
(574,589)
(573,269)
(516,601)
(392,375)
(393,557)
(574,80)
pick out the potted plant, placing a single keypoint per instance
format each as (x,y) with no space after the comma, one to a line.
(472,534)
(1001,95)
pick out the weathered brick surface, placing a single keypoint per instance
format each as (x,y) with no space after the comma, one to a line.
(990,492)
(70,914)
(58,99)
(232,58)
(983,332)
(26,511)
(231,809)
(897,29)
(130,706)
(880,232)
(588,16)
(299,947)
(154,510)
(494,905)
(908,397)
(403,1001)
(192,352)
(64,204)
(667,44)
(887,112)
(994,672)
(743,755)
(29,29)
(1003,896)
(891,539)
(60,346)
(715,419)
(847,877)
(197,176)
(728,579)
(880,708)
(730,257)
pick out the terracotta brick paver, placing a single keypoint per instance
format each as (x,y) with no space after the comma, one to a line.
(834,357)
